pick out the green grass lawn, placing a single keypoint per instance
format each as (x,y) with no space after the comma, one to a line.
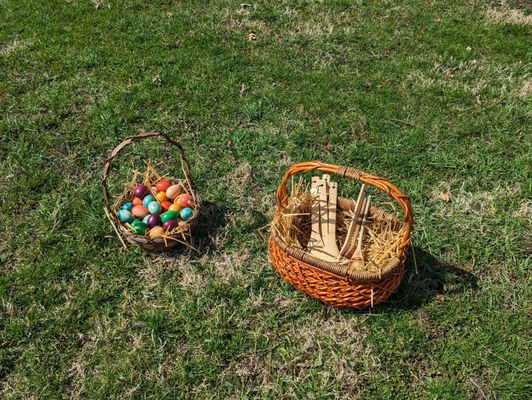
(434,95)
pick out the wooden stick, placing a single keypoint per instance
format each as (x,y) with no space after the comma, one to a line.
(354,221)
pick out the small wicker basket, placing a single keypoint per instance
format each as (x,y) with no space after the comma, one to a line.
(145,242)
(329,282)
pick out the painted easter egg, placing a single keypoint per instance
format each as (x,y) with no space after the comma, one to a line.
(168,215)
(156,231)
(139,228)
(154,220)
(127,206)
(170,225)
(141,190)
(186,213)
(185,200)
(173,191)
(145,219)
(154,207)
(162,185)
(161,196)
(137,201)
(165,205)
(125,216)
(175,207)
(140,211)
(147,200)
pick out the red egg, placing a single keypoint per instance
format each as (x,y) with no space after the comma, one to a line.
(165,205)
(140,211)
(170,224)
(137,201)
(162,185)
(185,200)
(141,190)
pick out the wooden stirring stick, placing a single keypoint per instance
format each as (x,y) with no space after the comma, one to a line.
(349,245)
(358,258)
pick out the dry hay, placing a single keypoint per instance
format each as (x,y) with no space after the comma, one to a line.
(381,236)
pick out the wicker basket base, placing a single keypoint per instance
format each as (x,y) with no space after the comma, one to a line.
(329,288)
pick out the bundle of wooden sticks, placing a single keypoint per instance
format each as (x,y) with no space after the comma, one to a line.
(322,243)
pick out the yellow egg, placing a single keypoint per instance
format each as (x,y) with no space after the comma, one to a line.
(175,207)
(161,196)
(173,191)
(156,231)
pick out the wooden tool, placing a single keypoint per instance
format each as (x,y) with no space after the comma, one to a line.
(350,242)
(358,258)
(322,242)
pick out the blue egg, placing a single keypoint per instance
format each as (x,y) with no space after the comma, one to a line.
(127,206)
(146,218)
(154,207)
(147,200)
(125,215)
(186,213)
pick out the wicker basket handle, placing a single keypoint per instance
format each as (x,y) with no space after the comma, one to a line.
(353,173)
(141,136)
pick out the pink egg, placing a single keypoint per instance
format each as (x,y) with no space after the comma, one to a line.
(185,200)
(140,211)
(137,201)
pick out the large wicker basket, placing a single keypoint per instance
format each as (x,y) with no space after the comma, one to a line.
(145,242)
(328,282)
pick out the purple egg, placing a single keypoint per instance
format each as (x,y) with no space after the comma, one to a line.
(170,224)
(141,190)
(154,220)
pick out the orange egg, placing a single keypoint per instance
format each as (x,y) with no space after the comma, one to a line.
(137,201)
(175,207)
(161,196)
(165,205)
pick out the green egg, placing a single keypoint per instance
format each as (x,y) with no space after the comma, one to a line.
(168,215)
(139,227)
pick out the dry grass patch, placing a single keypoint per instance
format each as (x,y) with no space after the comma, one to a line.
(526,89)
(507,15)
(13,45)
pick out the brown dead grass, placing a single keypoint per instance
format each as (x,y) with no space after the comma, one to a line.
(13,45)
(507,15)
(526,89)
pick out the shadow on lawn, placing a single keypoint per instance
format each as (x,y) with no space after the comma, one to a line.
(205,235)
(434,281)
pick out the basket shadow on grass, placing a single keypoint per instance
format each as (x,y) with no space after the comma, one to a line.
(211,223)
(433,280)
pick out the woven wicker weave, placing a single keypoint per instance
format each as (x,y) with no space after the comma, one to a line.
(147,243)
(332,283)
